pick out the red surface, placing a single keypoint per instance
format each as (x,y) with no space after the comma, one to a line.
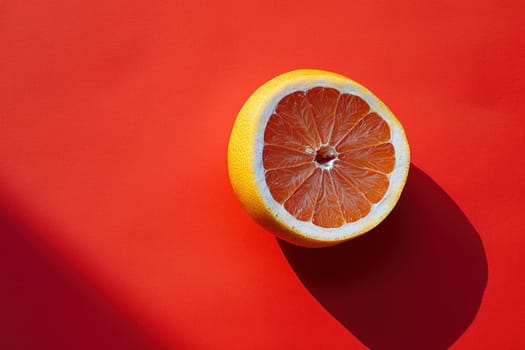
(119,228)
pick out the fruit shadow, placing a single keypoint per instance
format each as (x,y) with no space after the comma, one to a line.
(414,282)
(46,304)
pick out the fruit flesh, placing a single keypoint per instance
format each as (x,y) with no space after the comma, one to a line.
(327,156)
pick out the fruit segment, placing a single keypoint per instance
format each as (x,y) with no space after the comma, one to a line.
(324,104)
(369,131)
(327,156)
(301,203)
(379,157)
(350,110)
(281,131)
(283,182)
(328,211)
(298,112)
(276,156)
(371,184)
(353,202)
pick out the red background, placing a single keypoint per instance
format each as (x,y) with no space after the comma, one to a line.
(118,225)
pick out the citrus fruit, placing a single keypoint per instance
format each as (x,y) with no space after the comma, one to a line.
(316,158)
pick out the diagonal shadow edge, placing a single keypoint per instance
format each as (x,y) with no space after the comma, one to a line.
(47,303)
(414,282)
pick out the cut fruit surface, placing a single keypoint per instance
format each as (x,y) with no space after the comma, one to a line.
(317,158)
(340,143)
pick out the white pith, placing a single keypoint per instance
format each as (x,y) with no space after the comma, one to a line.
(397,176)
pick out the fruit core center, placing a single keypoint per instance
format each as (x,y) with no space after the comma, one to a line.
(325,157)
